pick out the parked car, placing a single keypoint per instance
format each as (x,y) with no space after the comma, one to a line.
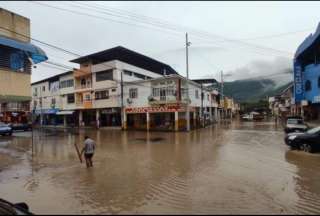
(308,141)
(7,208)
(295,124)
(5,129)
(21,126)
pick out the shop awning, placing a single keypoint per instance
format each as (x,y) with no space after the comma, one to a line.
(35,53)
(65,113)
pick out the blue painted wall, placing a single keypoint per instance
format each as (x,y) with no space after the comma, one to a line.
(312,73)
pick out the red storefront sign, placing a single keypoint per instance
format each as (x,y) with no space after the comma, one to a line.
(167,108)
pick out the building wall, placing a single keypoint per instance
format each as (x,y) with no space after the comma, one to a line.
(144,91)
(15,23)
(64,91)
(312,73)
(14,83)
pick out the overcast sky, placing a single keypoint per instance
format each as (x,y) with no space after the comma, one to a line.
(226,36)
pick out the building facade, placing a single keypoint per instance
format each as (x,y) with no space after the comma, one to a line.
(17,55)
(122,88)
(307,77)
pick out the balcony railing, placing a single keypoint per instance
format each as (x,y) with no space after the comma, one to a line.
(81,87)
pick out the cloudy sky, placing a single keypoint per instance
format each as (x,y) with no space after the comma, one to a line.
(241,38)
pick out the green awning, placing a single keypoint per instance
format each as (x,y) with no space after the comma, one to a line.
(14,98)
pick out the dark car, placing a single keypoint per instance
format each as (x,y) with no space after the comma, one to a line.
(7,208)
(5,129)
(308,141)
(21,126)
(295,124)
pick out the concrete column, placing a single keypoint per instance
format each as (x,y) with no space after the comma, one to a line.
(188,118)
(65,120)
(148,121)
(216,113)
(195,119)
(176,121)
(80,118)
(124,122)
(98,118)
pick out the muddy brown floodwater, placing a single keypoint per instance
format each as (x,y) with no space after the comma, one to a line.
(238,168)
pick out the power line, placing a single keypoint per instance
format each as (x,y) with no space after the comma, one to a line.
(197,33)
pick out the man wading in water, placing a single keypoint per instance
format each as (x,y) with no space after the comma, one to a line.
(88,149)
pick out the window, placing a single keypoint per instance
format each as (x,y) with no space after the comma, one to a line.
(87,97)
(171,91)
(113,90)
(99,95)
(53,103)
(308,85)
(155,92)
(104,75)
(133,93)
(70,98)
(128,73)
(83,82)
(35,91)
(197,93)
(208,96)
(43,88)
(67,83)
(140,76)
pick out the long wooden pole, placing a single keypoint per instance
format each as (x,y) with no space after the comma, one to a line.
(78,152)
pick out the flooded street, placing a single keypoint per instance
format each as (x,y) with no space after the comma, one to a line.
(238,168)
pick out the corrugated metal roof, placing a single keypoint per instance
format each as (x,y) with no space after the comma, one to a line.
(128,56)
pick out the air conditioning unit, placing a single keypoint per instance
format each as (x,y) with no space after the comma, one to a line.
(129,100)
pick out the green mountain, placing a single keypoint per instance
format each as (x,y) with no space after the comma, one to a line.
(253,90)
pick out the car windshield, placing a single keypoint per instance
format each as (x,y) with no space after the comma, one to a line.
(2,124)
(295,121)
(314,130)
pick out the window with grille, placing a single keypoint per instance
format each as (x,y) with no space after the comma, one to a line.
(133,93)
(66,83)
(100,95)
(104,75)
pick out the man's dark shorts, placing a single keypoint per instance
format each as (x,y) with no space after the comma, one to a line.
(88,156)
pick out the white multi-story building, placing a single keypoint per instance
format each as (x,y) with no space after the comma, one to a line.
(119,87)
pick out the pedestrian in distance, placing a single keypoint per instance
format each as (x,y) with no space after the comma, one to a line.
(88,150)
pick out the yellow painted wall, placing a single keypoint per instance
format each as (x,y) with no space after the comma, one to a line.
(14,83)
(15,23)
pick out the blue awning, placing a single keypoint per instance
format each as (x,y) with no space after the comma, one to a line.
(35,53)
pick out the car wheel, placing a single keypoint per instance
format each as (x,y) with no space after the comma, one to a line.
(307,148)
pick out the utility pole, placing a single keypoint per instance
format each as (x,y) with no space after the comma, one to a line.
(41,114)
(222,96)
(187,70)
(122,110)
(201,110)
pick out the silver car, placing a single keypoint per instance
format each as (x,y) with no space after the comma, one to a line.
(5,129)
